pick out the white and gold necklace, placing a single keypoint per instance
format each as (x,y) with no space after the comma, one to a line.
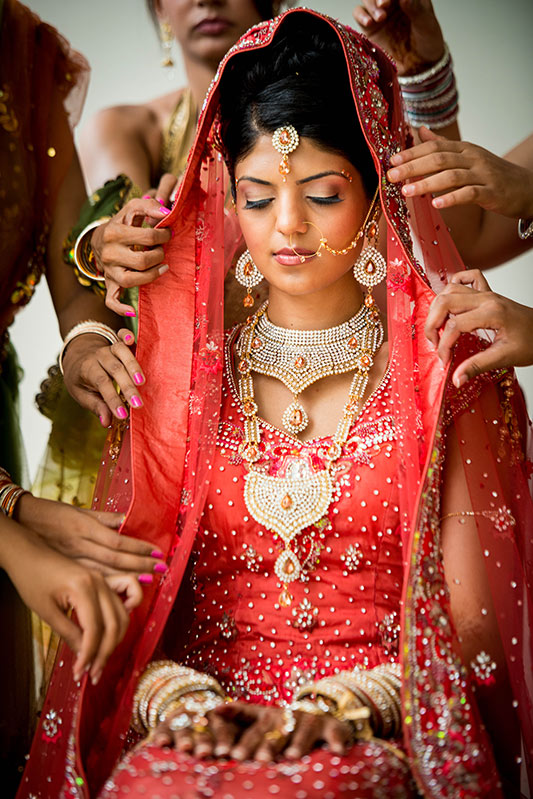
(301,357)
(298,495)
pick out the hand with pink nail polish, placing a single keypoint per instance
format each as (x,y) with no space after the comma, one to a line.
(89,537)
(129,251)
(94,368)
(52,584)
(467,304)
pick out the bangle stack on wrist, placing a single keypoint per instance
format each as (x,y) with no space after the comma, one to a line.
(525,228)
(166,688)
(10,493)
(89,326)
(369,700)
(82,252)
(431,97)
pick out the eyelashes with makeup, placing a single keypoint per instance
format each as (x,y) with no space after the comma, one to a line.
(317,200)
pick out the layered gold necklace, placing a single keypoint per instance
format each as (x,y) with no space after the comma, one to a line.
(299,495)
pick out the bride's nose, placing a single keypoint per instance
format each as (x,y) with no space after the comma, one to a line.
(290,215)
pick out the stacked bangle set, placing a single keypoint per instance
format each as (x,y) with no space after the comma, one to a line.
(10,493)
(431,97)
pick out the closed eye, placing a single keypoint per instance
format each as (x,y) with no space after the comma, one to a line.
(257,203)
(334,198)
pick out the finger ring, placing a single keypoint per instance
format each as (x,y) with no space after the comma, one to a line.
(274,735)
(180,722)
(201,729)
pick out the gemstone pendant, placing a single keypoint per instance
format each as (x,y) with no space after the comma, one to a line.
(285,598)
(295,419)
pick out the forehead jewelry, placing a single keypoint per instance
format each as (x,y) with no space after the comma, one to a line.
(371,214)
(285,140)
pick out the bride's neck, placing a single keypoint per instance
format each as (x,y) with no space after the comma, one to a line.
(316,311)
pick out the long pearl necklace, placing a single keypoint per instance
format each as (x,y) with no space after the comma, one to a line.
(301,357)
(299,495)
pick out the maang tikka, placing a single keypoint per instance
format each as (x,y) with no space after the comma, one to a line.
(248,275)
(285,140)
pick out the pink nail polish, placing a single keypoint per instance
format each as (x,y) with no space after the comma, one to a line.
(160,200)
(156,553)
(160,568)
(122,412)
(138,379)
(102,421)
(147,197)
(164,210)
(136,401)
(146,579)
(128,337)
(130,313)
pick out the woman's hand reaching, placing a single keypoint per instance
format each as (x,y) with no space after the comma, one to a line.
(462,173)
(53,585)
(128,254)
(92,367)
(407,30)
(245,731)
(467,304)
(89,537)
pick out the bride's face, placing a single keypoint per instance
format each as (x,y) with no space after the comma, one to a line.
(323,196)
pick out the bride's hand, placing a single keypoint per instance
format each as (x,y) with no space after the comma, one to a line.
(91,369)
(212,736)
(265,732)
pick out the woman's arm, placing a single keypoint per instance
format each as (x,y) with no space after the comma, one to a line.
(121,140)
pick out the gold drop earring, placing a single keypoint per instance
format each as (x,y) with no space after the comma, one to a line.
(248,275)
(166,37)
(371,267)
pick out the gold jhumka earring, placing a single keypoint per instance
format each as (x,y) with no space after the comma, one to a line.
(285,140)
(166,37)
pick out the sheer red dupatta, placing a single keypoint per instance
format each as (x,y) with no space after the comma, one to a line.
(179,346)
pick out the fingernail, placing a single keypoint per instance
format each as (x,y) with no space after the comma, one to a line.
(102,421)
(408,188)
(96,677)
(221,750)
(160,568)
(162,269)
(130,313)
(147,197)
(366,19)
(146,578)
(160,200)
(396,158)
(121,412)
(136,401)
(138,379)
(437,202)
(156,553)
(164,210)
(392,174)
(461,381)
(128,337)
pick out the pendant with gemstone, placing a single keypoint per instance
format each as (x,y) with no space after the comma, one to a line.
(295,418)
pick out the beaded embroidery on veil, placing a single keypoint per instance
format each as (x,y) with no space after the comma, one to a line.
(448,750)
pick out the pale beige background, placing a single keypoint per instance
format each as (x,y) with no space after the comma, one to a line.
(491,46)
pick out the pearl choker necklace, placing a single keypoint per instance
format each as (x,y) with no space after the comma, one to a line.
(301,357)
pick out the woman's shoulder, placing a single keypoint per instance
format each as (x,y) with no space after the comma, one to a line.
(135,118)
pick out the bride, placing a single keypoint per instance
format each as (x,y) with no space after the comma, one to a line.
(346,600)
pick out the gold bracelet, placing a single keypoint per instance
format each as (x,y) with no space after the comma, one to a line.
(83,253)
(502,517)
(89,326)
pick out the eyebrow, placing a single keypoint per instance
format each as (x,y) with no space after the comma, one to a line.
(298,182)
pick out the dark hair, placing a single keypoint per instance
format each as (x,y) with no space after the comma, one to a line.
(301,79)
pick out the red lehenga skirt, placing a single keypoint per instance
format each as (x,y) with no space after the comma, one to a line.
(371,770)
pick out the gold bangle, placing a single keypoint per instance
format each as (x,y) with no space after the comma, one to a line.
(83,253)
(89,326)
